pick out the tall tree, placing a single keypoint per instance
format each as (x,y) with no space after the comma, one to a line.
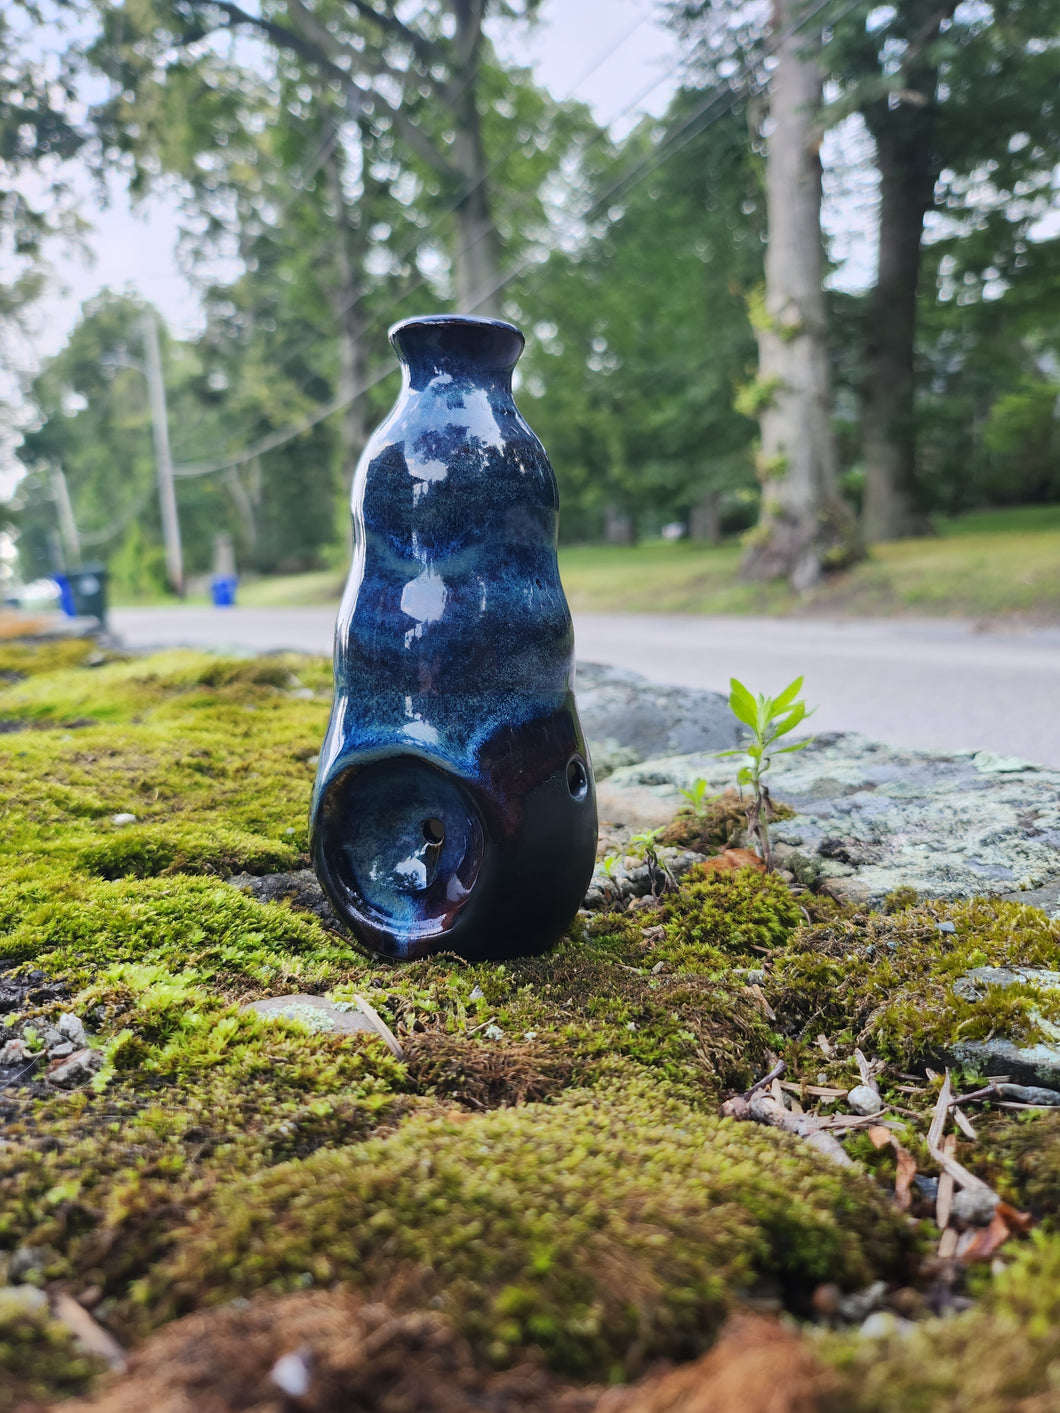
(640,335)
(961,104)
(804,526)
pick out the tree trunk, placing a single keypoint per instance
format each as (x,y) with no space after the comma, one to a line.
(477,260)
(907,167)
(803,526)
(619,526)
(345,295)
(705,521)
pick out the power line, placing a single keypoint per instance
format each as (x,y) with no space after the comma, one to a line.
(728,97)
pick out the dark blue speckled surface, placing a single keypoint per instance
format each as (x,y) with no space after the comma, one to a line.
(453,808)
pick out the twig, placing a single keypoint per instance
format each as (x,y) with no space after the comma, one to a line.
(867,1072)
(960,1174)
(380,1026)
(767,1079)
(88,1332)
(944,1197)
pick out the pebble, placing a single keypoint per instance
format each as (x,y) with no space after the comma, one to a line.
(973,1208)
(121,820)
(27,1297)
(860,1303)
(315,1012)
(863,1100)
(72,1028)
(14,1052)
(884,1322)
(291,1375)
(73,1070)
(494,1032)
(1029,1094)
(477,994)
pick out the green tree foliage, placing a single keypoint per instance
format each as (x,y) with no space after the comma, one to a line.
(641,332)
(37,131)
(95,426)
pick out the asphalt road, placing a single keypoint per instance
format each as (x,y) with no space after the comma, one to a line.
(934,684)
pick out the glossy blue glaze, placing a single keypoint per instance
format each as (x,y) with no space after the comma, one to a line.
(454,808)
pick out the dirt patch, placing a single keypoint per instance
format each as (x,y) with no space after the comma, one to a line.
(332,1352)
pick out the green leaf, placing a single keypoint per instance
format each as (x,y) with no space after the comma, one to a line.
(781,728)
(742,704)
(787,696)
(797,746)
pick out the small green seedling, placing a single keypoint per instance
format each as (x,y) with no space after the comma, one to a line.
(769,718)
(662,880)
(697,797)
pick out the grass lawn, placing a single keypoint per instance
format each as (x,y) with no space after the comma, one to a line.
(990,564)
(999,563)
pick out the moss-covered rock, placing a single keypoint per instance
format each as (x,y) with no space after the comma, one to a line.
(886,981)
(39,1358)
(1000,1358)
(545,1163)
(612,1227)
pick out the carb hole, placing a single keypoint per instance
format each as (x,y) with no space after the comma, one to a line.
(577,779)
(434,831)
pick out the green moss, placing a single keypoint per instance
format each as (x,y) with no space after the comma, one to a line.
(610,1219)
(886,982)
(999,1358)
(1020,1156)
(21,659)
(193,1092)
(39,1359)
(611,1228)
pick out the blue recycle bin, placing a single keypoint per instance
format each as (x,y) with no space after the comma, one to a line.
(223,590)
(83,592)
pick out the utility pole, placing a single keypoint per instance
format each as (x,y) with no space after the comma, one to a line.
(67,524)
(163,462)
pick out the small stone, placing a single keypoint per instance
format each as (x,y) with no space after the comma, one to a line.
(291,1375)
(928,1187)
(28,1262)
(884,1322)
(494,1032)
(23,1297)
(75,1069)
(121,820)
(72,1028)
(316,1012)
(972,1207)
(863,1100)
(61,1049)
(14,1052)
(477,993)
(945,927)
(1029,1094)
(860,1303)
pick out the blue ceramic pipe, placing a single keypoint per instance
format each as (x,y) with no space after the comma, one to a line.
(453,808)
